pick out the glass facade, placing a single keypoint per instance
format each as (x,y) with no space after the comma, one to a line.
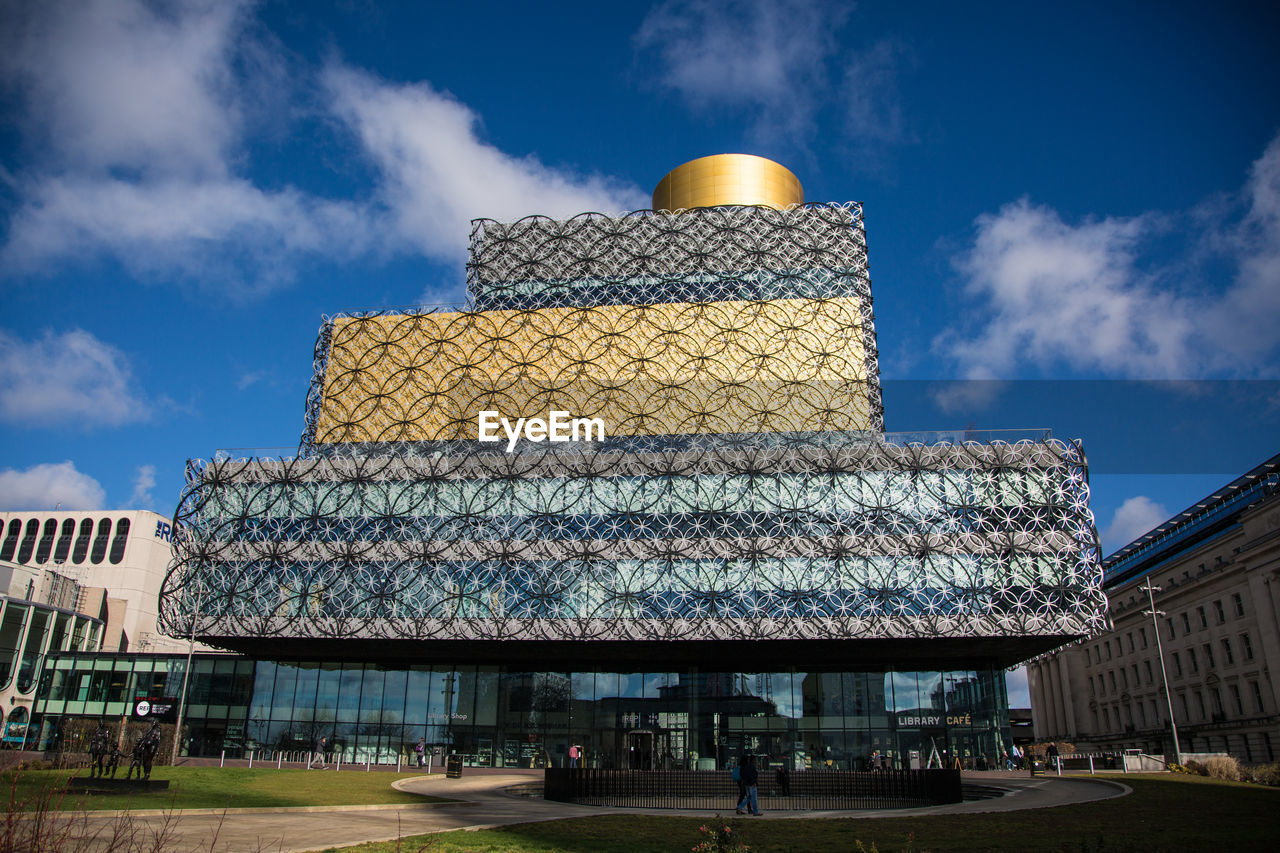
(500,717)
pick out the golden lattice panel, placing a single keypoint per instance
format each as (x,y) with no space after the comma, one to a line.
(786,365)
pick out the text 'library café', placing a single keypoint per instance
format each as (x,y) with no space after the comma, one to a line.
(636,496)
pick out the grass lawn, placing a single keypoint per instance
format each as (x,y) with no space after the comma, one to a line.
(216,788)
(1164,813)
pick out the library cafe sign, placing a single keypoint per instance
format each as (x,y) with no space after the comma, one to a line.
(929,721)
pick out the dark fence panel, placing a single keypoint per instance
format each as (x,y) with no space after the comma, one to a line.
(715,790)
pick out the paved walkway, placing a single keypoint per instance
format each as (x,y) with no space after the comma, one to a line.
(484,803)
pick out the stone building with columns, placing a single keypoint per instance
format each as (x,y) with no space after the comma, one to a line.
(1215,568)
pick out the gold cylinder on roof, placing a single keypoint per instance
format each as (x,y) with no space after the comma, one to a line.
(728,179)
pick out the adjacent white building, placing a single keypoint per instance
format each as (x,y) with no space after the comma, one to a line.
(1216,567)
(76,581)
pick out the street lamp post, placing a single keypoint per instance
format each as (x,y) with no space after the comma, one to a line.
(1164,675)
(186,676)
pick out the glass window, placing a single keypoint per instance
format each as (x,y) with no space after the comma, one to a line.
(63,550)
(442,696)
(221,685)
(1131,646)
(372,685)
(1191,657)
(1257,697)
(1177,664)
(82,541)
(28,541)
(1186,624)
(100,541)
(349,692)
(1226,651)
(1235,699)
(487,696)
(1143,633)
(242,683)
(117,544)
(282,693)
(1171,634)
(417,687)
(304,695)
(1219,612)
(118,688)
(263,679)
(1208,656)
(1238,600)
(46,541)
(1150,676)
(393,696)
(1247,646)
(327,691)
(1204,619)
(11,539)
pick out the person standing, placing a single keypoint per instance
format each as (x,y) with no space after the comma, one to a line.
(750,781)
(318,758)
(420,750)
(573,755)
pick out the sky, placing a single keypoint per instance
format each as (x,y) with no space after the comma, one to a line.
(1073,216)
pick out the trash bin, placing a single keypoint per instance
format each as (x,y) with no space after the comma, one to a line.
(453,767)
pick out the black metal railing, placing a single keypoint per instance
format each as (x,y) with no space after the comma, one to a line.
(716,790)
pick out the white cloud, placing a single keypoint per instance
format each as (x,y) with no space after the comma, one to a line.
(144,480)
(437,174)
(1133,518)
(47,486)
(1046,292)
(127,85)
(203,229)
(778,62)
(69,379)
(137,111)
(139,117)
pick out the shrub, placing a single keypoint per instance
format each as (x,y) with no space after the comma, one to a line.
(1262,774)
(1196,768)
(722,837)
(1223,767)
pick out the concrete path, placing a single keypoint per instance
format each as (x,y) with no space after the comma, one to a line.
(485,803)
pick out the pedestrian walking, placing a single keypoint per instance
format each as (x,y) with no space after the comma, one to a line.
(749,781)
(321,747)
(782,778)
(420,750)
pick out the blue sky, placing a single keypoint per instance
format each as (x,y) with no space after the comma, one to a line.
(1087,195)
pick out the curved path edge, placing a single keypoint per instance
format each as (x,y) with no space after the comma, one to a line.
(485,801)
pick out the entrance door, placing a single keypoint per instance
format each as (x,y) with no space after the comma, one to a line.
(640,747)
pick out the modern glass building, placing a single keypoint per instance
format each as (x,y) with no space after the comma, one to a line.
(699,540)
